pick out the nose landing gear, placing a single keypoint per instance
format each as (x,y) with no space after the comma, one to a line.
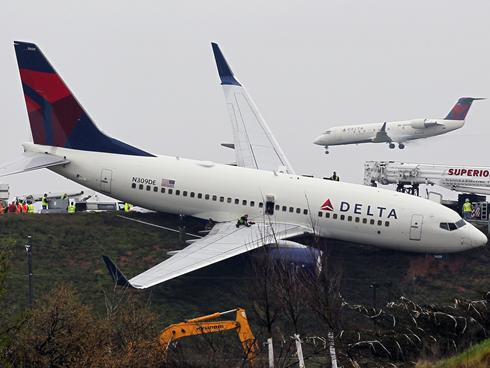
(401,146)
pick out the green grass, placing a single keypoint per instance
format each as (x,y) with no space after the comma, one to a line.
(477,356)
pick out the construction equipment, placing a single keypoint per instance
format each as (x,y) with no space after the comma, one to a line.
(408,176)
(203,325)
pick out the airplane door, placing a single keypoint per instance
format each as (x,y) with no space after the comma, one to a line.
(105,180)
(416,227)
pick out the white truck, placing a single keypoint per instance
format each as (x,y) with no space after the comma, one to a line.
(408,176)
(4,194)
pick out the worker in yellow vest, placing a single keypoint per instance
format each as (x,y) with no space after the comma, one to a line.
(127,206)
(44,201)
(30,208)
(467,209)
(72,208)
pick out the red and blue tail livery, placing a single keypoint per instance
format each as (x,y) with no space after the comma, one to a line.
(459,111)
(55,115)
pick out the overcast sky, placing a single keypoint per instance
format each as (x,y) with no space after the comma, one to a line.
(145,72)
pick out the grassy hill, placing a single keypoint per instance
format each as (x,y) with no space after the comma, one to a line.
(68,249)
(478,356)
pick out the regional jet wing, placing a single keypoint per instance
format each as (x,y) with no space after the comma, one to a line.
(31,161)
(255,146)
(224,241)
(381,135)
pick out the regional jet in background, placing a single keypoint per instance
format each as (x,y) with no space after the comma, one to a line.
(397,132)
(283,206)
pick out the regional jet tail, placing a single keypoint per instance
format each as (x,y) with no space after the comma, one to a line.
(397,132)
(281,206)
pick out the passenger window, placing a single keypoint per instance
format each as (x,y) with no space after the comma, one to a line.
(320,213)
(252,204)
(298,210)
(387,223)
(177,192)
(349,218)
(148,187)
(206,196)
(364,220)
(214,198)
(244,202)
(162,190)
(170,191)
(184,193)
(380,222)
(305,212)
(327,215)
(141,186)
(342,217)
(277,207)
(199,195)
(357,219)
(228,200)
(155,189)
(284,208)
(334,216)
(371,221)
(261,205)
(237,201)
(133,185)
(291,209)
(193,194)
(221,199)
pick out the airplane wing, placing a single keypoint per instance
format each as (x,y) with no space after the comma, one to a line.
(224,241)
(255,146)
(31,161)
(381,135)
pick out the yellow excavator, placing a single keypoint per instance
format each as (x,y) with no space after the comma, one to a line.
(203,325)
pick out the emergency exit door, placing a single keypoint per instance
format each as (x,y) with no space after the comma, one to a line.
(416,227)
(105,180)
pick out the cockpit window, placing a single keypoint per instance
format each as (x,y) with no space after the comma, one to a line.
(450,226)
(328,132)
(460,223)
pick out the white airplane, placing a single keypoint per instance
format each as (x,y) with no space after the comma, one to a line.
(397,132)
(282,205)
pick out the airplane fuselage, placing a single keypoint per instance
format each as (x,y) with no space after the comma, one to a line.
(330,209)
(396,132)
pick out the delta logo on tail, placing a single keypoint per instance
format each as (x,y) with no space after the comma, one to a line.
(327,206)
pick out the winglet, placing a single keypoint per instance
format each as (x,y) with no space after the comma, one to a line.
(459,111)
(116,274)
(224,70)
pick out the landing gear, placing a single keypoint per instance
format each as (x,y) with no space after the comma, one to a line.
(401,146)
(392,145)
(326,150)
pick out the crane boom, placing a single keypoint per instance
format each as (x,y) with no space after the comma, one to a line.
(203,325)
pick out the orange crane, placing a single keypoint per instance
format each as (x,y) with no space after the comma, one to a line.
(202,325)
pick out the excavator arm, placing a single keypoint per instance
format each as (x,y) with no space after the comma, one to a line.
(202,325)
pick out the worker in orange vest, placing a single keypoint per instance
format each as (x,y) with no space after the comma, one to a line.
(18,207)
(25,207)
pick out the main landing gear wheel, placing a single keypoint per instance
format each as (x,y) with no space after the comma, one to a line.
(392,145)
(326,150)
(401,146)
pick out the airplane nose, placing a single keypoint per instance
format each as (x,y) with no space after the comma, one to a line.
(477,238)
(319,140)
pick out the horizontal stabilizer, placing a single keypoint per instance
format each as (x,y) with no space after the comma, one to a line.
(117,276)
(32,161)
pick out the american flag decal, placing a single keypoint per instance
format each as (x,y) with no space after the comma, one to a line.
(168,183)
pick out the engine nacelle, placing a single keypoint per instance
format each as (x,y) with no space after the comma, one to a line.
(289,252)
(418,124)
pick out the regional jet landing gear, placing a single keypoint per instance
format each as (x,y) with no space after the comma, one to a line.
(326,150)
(400,145)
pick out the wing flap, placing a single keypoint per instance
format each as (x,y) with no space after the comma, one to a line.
(31,161)
(223,242)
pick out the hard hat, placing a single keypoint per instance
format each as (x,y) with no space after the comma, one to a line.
(466,200)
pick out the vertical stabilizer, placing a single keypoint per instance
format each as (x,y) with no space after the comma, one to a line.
(459,111)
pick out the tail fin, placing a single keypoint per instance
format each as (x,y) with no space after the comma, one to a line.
(459,111)
(56,117)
